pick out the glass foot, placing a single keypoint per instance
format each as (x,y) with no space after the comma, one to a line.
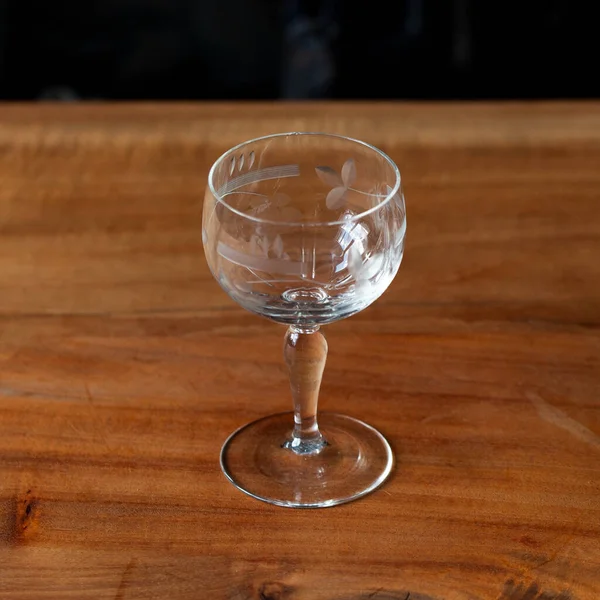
(356,460)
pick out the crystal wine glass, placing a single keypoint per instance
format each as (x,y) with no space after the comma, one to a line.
(305,229)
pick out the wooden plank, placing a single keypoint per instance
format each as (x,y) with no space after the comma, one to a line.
(123,366)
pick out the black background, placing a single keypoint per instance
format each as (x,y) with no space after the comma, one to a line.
(193,49)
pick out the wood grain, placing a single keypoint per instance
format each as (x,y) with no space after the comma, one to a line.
(123,366)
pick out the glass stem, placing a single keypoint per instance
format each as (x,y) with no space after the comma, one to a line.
(305,353)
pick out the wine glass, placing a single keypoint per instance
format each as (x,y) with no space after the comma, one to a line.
(304,229)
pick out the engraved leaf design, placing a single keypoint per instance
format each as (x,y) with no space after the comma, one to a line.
(277,247)
(260,208)
(372,266)
(263,244)
(349,172)
(257,200)
(335,198)
(364,268)
(329,176)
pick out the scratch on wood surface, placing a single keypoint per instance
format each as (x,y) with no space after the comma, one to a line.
(92,407)
(557,417)
(522,591)
(125,580)
(26,517)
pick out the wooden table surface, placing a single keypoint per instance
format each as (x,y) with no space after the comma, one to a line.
(123,366)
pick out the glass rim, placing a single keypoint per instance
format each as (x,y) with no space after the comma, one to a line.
(351,219)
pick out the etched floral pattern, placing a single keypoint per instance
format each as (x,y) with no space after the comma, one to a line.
(262,246)
(340,183)
(356,261)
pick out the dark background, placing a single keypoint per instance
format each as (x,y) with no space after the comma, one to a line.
(260,49)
